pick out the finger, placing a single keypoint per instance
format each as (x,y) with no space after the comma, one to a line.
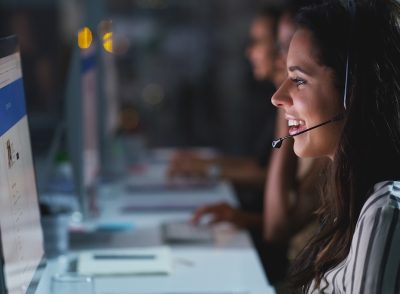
(200,212)
(197,215)
(216,219)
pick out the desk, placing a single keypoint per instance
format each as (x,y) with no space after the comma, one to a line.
(230,265)
(212,270)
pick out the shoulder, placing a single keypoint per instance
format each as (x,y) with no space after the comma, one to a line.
(379,215)
(376,257)
(383,201)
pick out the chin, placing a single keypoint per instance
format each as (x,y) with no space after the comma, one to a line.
(299,153)
(299,146)
(303,150)
(298,150)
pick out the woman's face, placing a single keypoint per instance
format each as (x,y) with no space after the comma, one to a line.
(308,97)
(261,50)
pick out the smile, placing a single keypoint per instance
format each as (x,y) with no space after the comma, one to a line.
(295,122)
(296,126)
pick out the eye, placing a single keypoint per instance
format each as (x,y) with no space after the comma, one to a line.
(298,81)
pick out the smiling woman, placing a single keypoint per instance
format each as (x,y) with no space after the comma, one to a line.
(355,250)
(309,97)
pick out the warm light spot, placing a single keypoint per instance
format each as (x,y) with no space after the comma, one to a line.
(113,41)
(108,42)
(85,38)
(129,120)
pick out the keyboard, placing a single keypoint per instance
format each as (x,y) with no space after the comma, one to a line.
(184,232)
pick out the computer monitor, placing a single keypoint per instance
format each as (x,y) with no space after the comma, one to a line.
(82,124)
(108,110)
(22,249)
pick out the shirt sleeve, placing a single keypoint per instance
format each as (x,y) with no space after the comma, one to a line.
(378,258)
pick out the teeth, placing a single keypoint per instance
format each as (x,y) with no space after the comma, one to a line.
(295,122)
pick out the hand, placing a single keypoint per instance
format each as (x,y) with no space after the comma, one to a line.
(187,164)
(220,212)
(223,212)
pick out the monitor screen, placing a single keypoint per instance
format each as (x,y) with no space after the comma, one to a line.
(22,251)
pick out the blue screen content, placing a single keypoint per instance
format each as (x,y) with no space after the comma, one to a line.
(21,232)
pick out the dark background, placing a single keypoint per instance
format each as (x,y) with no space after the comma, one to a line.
(184,71)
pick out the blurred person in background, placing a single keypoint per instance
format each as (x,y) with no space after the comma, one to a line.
(246,173)
(285,29)
(291,189)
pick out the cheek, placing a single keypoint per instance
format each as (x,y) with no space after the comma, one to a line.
(299,147)
(316,110)
(320,141)
(315,143)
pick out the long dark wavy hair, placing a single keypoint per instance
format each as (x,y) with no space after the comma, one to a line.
(369,147)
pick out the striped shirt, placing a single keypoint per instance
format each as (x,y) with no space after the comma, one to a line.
(373,263)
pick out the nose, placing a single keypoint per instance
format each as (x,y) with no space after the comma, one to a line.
(282,98)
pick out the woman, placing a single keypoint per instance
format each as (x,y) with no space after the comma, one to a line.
(356,248)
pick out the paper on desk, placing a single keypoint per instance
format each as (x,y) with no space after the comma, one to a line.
(185,292)
(138,261)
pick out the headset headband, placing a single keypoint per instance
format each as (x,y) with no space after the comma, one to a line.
(351,6)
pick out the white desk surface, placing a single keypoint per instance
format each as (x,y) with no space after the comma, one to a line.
(195,271)
(230,265)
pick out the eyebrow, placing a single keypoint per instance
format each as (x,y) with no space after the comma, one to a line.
(296,67)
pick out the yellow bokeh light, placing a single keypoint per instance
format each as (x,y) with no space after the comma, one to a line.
(108,42)
(85,38)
